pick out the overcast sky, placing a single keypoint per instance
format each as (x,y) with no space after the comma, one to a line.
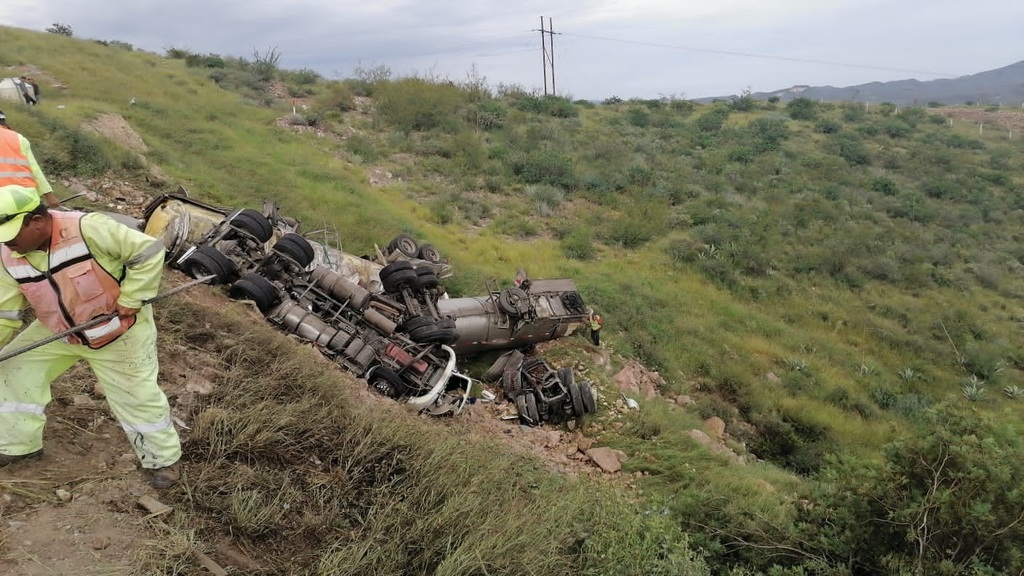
(625,48)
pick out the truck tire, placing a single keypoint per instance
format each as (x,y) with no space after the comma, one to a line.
(405,245)
(513,301)
(206,260)
(254,287)
(295,247)
(589,400)
(385,382)
(511,359)
(397,274)
(426,279)
(429,253)
(251,221)
(568,380)
(415,323)
(527,406)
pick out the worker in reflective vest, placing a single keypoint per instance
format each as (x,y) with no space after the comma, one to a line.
(18,165)
(595,328)
(72,267)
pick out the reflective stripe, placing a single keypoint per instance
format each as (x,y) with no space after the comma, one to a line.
(14,174)
(103,329)
(155,248)
(23,272)
(148,427)
(15,161)
(62,255)
(12,314)
(16,407)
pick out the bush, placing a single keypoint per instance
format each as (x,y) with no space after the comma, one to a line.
(545,198)
(578,245)
(802,109)
(768,133)
(639,117)
(849,148)
(712,121)
(545,166)
(884,185)
(490,115)
(415,104)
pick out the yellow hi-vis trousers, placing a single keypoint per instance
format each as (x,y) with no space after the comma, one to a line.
(127,370)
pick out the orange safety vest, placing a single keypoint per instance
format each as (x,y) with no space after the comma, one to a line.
(74,289)
(14,166)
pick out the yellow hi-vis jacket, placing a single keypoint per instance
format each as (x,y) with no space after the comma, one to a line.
(18,165)
(77,279)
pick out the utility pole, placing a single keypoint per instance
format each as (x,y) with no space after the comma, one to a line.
(547,36)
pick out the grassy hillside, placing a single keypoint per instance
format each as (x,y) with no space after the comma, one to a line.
(840,286)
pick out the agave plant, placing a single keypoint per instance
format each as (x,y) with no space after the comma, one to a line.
(1013,391)
(908,374)
(796,364)
(974,389)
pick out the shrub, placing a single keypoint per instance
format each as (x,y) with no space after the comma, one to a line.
(639,117)
(896,127)
(849,148)
(415,104)
(827,126)
(545,198)
(71,152)
(579,244)
(713,120)
(490,115)
(545,166)
(61,29)
(802,109)
(768,132)
(884,185)
(204,61)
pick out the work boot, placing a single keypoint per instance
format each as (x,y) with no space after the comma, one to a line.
(7,459)
(166,477)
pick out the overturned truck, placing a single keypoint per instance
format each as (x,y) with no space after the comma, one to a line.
(386,318)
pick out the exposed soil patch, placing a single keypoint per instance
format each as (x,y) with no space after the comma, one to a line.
(1004,119)
(116,128)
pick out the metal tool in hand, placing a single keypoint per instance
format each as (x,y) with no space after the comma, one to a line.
(101,319)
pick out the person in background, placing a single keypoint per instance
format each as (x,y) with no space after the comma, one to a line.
(595,327)
(19,167)
(75,269)
(35,89)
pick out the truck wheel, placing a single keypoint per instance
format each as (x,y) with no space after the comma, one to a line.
(512,382)
(512,359)
(568,380)
(206,260)
(589,401)
(251,221)
(429,253)
(527,406)
(385,382)
(404,244)
(295,247)
(531,408)
(397,274)
(513,301)
(426,279)
(254,287)
(415,322)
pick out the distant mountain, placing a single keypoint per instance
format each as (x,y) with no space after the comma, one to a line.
(1000,86)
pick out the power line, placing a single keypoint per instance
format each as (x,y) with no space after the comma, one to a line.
(764,56)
